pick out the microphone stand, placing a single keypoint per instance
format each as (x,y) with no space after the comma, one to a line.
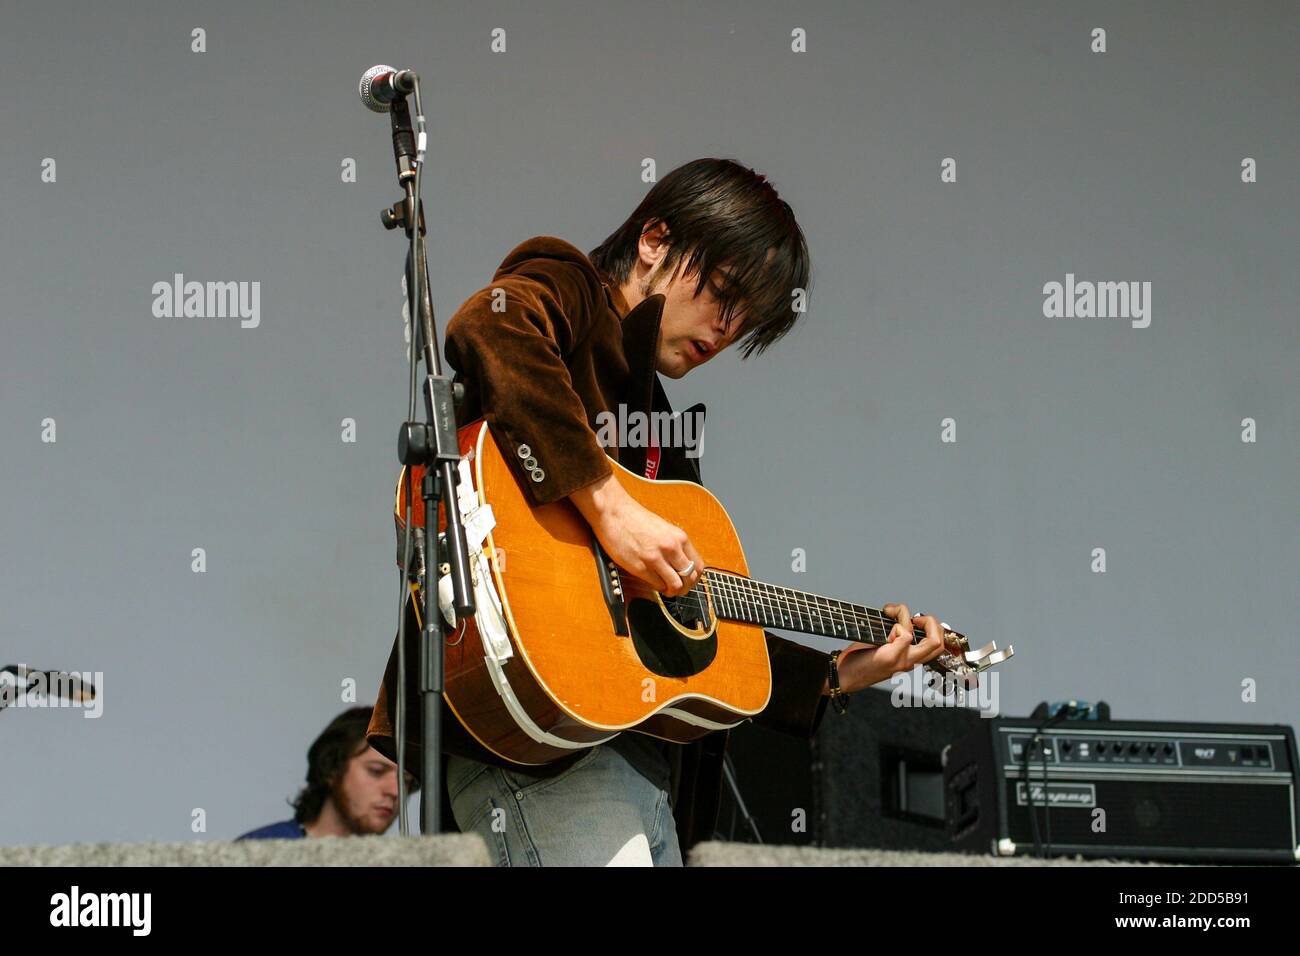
(434,445)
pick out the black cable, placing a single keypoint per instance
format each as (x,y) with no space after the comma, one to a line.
(1042,849)
(1047,805)
(1029,791)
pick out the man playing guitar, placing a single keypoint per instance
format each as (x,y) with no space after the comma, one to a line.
(712,256)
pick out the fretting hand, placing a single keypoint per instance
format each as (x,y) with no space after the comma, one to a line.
(864,665)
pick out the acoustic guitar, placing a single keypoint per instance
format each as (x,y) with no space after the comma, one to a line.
(567,650)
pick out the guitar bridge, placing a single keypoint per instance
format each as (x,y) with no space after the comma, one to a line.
(612,588)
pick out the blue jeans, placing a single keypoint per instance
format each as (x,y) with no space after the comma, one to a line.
(599,812)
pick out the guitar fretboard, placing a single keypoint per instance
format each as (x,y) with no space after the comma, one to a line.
(739,598)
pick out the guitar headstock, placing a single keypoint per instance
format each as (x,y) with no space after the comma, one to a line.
(963,664)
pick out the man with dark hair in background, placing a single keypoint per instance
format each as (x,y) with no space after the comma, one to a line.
(557,341)
(351,788)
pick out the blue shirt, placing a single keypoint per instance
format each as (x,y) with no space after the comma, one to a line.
(284,830)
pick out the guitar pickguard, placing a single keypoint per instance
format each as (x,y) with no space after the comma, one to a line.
(661,646)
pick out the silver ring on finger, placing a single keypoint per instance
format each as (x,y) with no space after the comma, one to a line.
(687,570)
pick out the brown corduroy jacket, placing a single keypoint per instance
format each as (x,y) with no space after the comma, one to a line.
(561,347)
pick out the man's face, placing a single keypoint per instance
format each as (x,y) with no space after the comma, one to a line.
(366,794)
(691,330)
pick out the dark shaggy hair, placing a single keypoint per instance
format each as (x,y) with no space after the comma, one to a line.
(327,759)
(720,213)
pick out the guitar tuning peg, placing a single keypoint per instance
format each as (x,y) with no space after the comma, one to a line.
(989,660)
(980,654)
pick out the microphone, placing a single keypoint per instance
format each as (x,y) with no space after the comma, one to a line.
(382,85)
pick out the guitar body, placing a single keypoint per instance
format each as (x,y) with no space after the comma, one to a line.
(569,680)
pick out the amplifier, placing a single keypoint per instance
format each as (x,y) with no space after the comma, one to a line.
(1209,793)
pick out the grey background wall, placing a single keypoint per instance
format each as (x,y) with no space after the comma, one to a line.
(927,304)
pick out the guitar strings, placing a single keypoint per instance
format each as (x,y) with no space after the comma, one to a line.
(748,593)
(733,591)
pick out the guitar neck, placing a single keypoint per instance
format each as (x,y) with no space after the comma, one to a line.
(738,598)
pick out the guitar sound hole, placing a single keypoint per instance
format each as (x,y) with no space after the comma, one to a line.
(662,648)
(691,611)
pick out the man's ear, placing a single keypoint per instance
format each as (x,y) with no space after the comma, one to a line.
(654,235)
(656,228)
